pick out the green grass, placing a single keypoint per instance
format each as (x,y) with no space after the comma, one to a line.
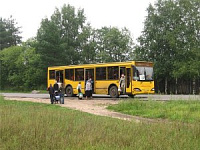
(177,110)
(26,125)
(14,91)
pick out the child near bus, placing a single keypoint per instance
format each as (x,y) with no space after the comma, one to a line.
(80,95)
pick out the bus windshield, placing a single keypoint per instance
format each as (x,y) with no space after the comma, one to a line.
(142,73)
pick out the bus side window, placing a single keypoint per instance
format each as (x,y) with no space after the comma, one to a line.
(101,73)
(135,73)
(79,74)
(69,74)
(113,73)
(52,74)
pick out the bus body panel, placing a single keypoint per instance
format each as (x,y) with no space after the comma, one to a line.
(140,87)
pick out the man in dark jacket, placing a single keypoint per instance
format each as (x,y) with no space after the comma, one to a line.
(51,92)
(56,87)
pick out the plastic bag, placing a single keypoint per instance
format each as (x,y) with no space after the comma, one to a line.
(119,89)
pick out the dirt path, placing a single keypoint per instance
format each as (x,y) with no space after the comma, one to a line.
(94,106)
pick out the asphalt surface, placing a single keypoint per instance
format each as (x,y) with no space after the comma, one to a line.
(103,97)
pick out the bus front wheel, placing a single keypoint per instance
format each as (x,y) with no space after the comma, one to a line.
(131,95)
(113,92)
(69,91)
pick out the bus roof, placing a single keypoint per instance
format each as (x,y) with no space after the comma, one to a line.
(103,64)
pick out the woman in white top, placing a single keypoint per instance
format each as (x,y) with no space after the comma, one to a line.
(88,88)
(123,83)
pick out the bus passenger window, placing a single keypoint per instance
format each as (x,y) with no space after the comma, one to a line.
(101,73)
(79,74)
(135,74)
(52,74)
(113,73)
(69,74)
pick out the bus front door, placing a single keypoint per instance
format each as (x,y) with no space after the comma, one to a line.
(128,80)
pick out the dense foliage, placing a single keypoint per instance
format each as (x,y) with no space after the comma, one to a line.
(65,39)
(20,68)
(171,40)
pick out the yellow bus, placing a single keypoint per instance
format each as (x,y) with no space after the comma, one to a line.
(105,77)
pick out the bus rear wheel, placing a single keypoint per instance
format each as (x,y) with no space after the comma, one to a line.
(69,91)
(113,92)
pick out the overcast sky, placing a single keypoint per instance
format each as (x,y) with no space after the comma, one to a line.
(115,13)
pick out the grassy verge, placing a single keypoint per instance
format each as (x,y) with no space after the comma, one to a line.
(181,110)
(14,91)
(26,125)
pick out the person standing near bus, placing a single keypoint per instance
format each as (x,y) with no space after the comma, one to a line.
(55,86)
(80,94)
(122,83)
(88,89)
(79,87)
(51,92)
(91,87)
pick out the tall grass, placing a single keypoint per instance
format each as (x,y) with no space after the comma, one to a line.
(26,125)
(177,110)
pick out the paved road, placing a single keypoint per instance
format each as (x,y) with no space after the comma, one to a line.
(142,97)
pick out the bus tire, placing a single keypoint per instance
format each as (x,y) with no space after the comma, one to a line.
(69,91)
(131,96)
(113,91)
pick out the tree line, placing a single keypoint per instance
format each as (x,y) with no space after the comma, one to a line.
(170,39)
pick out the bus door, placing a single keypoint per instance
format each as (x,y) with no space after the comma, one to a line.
(122,71)
(127,72)
(89,73)
(59,75)
(128,80)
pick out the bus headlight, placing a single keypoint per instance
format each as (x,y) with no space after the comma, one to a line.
(152,89)
(137,89)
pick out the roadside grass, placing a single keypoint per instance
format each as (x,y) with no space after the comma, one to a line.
(43,92)
(14,91)
(175,110)
(27,125)
(24,91)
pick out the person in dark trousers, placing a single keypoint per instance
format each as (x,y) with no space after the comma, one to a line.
(56,90)
(51,92)
(56,87)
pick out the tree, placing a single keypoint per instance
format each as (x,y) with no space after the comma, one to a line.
(9,33)
(9,70)
(20,68)
(171,39)
(88,44)
(113,45)
(58,37)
